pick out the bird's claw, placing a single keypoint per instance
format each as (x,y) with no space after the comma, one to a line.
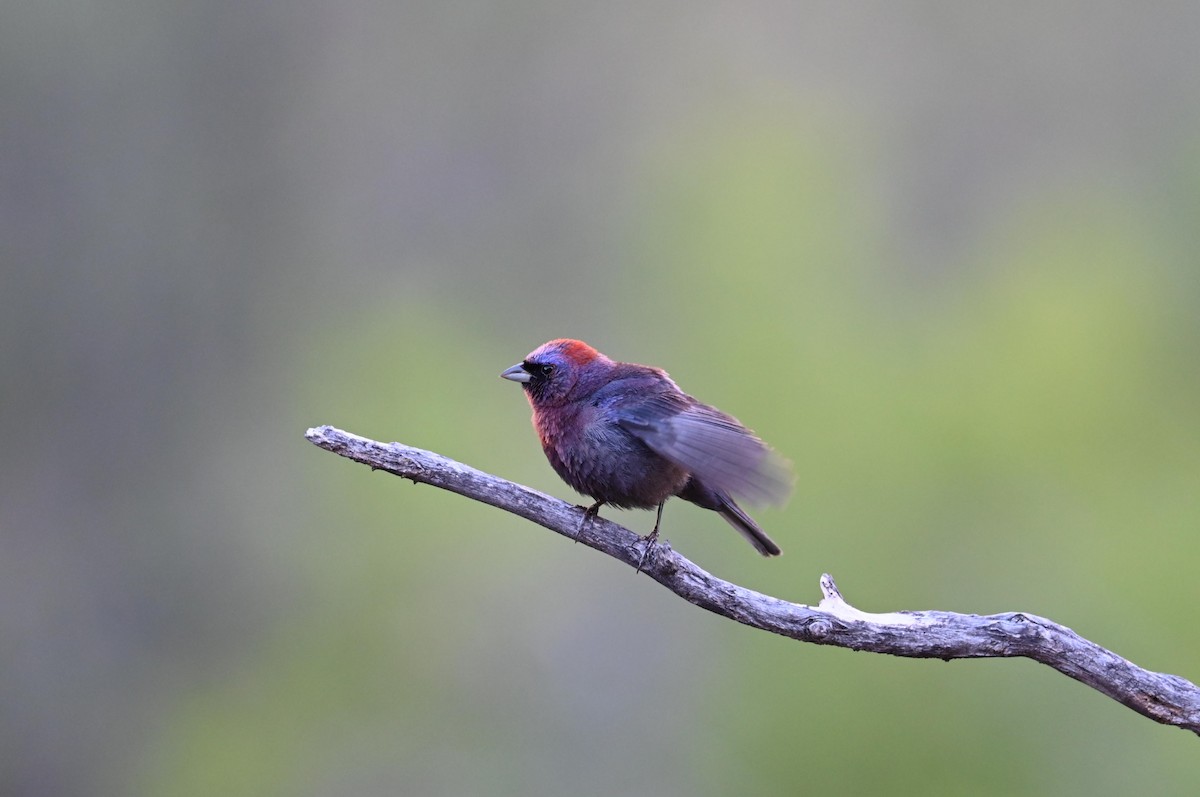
(589,513)
(651,541)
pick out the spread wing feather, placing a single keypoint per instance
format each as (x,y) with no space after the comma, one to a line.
(714,447)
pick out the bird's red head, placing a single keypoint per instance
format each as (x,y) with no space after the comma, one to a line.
(575,351)
(551,373)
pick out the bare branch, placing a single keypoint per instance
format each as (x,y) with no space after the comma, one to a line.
(1164,698)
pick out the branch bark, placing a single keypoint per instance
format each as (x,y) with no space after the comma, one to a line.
(1164,698)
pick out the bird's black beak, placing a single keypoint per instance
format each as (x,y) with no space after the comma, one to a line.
(517,373)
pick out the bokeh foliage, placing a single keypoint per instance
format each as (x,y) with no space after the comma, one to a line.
(360,215)
(1024,440)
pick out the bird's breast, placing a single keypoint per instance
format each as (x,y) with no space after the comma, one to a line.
(597,457)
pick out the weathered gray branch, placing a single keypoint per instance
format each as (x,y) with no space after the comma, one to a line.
(1163,698)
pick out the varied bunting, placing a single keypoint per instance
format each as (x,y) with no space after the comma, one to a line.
(626,435)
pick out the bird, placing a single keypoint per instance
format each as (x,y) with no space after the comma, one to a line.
(627,436)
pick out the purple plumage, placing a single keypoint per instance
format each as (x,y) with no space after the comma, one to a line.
(626,435)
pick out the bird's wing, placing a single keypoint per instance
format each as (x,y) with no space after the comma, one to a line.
(712,446)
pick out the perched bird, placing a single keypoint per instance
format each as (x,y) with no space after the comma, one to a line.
(626,435)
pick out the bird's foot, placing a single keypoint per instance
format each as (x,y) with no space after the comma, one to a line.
(651,541)
(591,512)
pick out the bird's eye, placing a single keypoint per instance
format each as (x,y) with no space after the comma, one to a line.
(540,370)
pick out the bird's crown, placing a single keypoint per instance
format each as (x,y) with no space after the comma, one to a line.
(575,351)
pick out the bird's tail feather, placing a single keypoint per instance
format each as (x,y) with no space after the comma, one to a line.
(746,526)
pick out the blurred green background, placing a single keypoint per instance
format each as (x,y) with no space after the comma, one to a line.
(942,256)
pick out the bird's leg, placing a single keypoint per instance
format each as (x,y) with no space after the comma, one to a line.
(651,539)
(592,511)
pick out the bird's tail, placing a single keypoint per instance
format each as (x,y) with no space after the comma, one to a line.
(748,528)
